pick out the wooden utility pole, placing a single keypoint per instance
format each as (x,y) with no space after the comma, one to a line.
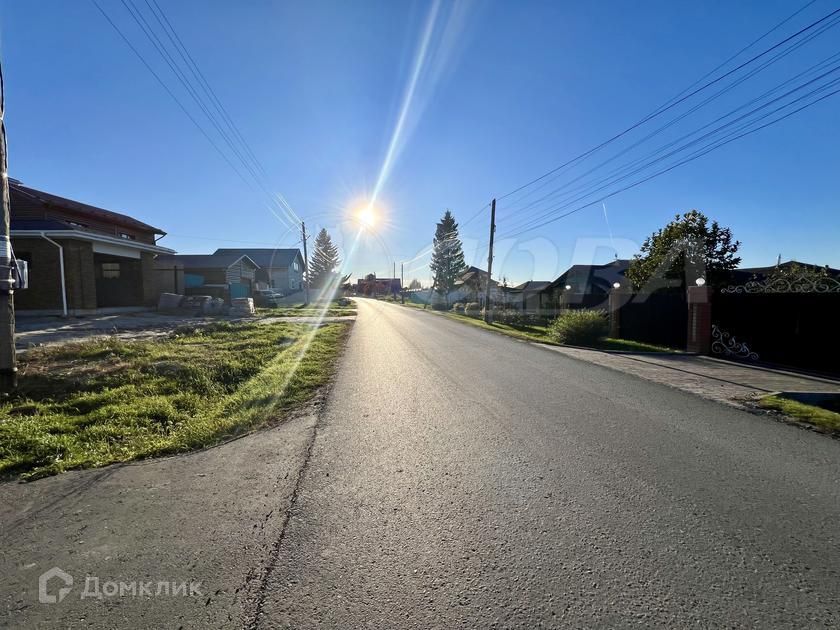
(8,359)
(305,261)
(402,281)
(488,314)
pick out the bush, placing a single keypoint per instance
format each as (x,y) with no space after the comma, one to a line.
(509,316)
(458,307)
(438,306)
(579,327)
(472,309)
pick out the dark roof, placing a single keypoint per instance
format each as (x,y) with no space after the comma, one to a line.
(532,285)
(266,257)
(473,273)
(23,197)
(205,261)
(604,275)
(766,271)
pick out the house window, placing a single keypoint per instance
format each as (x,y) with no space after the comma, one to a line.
(295,266)
(111,270)
(128,237)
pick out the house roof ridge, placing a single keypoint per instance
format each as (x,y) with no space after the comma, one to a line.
(49,199)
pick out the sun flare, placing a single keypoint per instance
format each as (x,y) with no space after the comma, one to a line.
(366,216)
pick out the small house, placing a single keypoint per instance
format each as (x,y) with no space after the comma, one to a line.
(226,276)
(278,269)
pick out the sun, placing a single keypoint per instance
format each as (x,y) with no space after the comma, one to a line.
(366,217)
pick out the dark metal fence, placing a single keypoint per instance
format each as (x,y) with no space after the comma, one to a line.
(794,329)
(659,318)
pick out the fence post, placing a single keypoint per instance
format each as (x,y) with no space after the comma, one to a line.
(699,320)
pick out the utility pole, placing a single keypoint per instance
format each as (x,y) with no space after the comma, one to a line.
(402,281)
(305,260)
(488,315)
(8,359)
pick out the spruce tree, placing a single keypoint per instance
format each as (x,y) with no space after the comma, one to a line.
(448,255)
(324,260)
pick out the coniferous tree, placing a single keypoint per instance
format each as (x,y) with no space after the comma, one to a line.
(448,255)
(324,260)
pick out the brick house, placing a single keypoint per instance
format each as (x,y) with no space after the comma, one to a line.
(82,259)
(371,285)
(280,269)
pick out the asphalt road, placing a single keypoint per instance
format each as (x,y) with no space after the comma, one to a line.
(455,478)
(462,479)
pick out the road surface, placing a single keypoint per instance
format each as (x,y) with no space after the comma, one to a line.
(458,478)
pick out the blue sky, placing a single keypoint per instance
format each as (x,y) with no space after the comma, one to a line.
(507,91)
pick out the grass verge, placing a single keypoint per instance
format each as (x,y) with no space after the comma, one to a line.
(103,401)
(540,334)
(310,310)
(816,416)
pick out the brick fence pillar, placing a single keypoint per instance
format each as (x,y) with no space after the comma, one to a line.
(699,320)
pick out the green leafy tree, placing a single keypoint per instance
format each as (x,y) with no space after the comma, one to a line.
(797,272)
(687,248)
(448,255)
(324,261)
(414,284)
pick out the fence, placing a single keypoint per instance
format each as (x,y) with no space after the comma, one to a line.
(785,328)
(659,318)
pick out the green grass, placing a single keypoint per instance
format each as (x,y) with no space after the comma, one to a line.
(311,310)
(800,411)
(540,334)
(103,401)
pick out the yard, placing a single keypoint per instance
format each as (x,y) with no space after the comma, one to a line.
(108,400)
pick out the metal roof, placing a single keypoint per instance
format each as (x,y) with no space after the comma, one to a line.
(23,197)
(206,261)
(265,257)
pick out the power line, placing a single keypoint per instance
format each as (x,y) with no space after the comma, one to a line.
(202,80)
(156,42)
(158,45)
(673,121)
(610,178)
(674,103)
(696,155)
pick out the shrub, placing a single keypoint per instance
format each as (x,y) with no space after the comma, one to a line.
(579,327)
(509,316)
(438,306)
(458,307)
(472,309)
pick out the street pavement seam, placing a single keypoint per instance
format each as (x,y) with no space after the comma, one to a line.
(271,561)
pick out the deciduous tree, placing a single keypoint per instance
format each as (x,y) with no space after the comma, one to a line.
(687,248)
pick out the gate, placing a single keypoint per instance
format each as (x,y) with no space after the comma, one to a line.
(659,318)
(784,321)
